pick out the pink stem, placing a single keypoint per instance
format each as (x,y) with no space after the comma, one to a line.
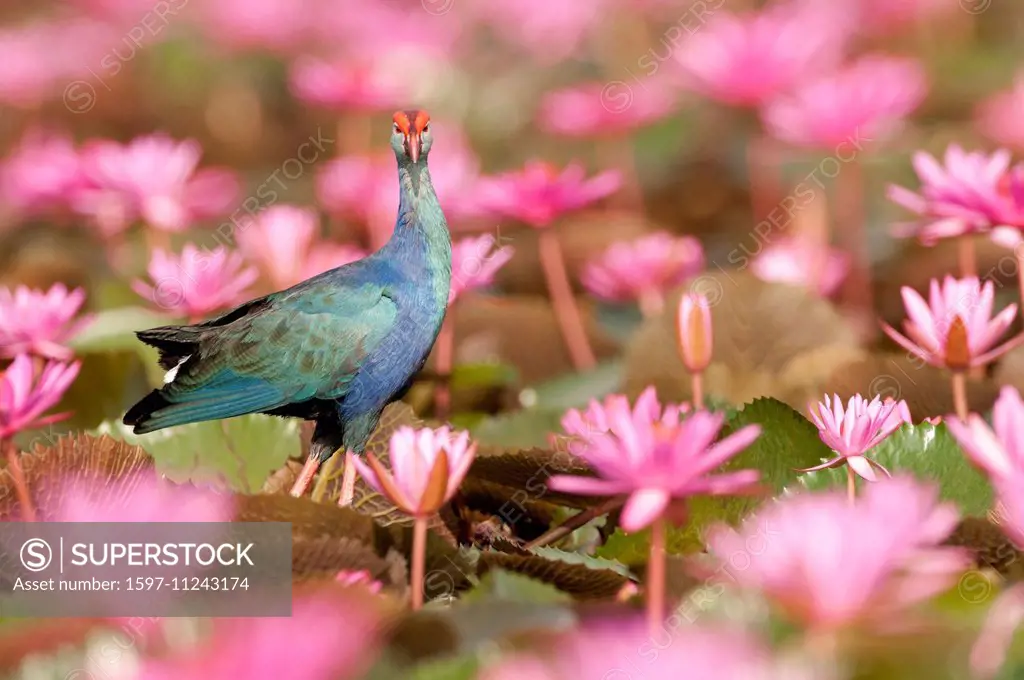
(656,578)
(28,511)
(853,238)
(851,484)
(697,387)
(967,256)
(443,366)
(566,311)
(419,559)
(348,482)
(960,395)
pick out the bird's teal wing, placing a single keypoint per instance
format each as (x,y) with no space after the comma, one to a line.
(294,346)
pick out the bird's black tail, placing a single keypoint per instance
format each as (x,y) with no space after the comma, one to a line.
(174,342)
(138,416)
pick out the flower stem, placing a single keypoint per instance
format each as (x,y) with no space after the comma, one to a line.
(656,577)
(851,483)
(348,482)
(651,303)
(697,387)
(443,366)
(575,522)
(566,311)
(960,395)
(967,257)
(419,559)
(28,511)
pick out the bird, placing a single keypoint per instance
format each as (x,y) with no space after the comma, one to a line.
(334,349)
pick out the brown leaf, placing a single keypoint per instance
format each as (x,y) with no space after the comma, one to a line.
(990,546)
(526,471)
(578,580)
(112,467)
(480,501)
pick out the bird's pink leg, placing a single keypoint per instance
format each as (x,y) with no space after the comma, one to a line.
(348,482)
(306,476)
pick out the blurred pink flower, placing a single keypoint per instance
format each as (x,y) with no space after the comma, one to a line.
(149,499)
(989,652)
(749,59)
(792,261)
(549,30)
(600,109)
(650,265)
(960,198)
(196,283)
(24,397)
(152,178)
(40,173)
(402,33)
(860,104)
(655,461)
(276,25)
(955,329)
(582,426)
(886,17)
(475,261)
(538,194)
(854,431)
(1001,116)
(329,635)
(414,484)
(830,563)
(359,578)
(344,84)
(282,241)
(39,323)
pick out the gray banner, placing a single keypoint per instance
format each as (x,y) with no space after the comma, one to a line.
(85,569)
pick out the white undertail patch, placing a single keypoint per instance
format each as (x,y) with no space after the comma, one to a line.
(173,373)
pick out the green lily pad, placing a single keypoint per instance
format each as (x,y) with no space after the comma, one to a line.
(239,453)
(576,389)
(114,329)
(528,428)
(506,586)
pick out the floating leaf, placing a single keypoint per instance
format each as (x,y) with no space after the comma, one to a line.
(459,668)
(523,429)
(582,576)
(506,586)
(526,472)
(114,329)
(475,376)
(239,453)
(932,455)
(576,389)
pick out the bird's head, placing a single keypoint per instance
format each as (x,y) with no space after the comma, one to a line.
(410,135)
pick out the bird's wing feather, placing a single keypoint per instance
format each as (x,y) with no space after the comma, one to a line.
(292,349)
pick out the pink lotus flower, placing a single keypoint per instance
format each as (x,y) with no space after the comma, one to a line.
(961,198)
(830,563)
(35,322)
(693,326)
(747,60)
(955,329)
(792,261)
(24,398)
(855,430)
(153,179)
(538,194)
(656,461)
(595,420)
(281,241)
(996,637)
(1001,116)
(329,635)
(596,109)
(475,261)
(359,578)
(148,499)
(427,468)
(40,173)
(862,103)
(344,84)
(276,25)
(549,30)
(196,283)
(646,267)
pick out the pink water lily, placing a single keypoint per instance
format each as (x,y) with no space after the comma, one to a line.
(829,563)
(851,432)
(40,173)
(154,179)
(359,578)
(961,196)
(656,461)
(583,425)
(793,261)
(475,261)
(955,329)
(24,398)
(860,104)
(539,193)
(644,269)
(276,25)
(147,498)
(197,282)
(1001,116)
(40,323)
(598,110)
(343,83)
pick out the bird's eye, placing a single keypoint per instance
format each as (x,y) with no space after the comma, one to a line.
(426,128)
(397,129)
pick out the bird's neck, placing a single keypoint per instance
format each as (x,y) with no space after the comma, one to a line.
(421,222)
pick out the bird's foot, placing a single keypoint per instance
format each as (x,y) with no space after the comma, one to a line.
(305,477)
(348,482)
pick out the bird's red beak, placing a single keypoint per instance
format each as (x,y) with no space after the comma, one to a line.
(413,146)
